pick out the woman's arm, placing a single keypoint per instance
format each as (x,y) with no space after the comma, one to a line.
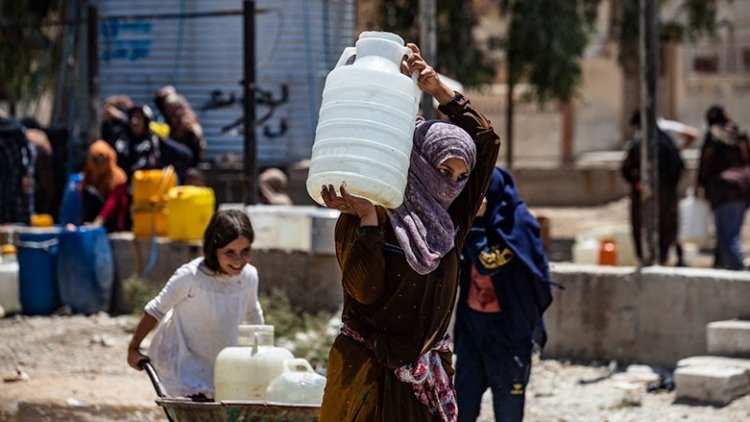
(116,199)
(359,244)
(463,114)
(359,250)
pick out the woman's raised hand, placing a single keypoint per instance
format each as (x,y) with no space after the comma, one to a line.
(429,80)
(350,204)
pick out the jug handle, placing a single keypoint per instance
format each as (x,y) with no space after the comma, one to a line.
(408,52)
(348,53)
(297,365)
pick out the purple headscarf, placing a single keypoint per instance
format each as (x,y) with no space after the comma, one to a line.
(422,225)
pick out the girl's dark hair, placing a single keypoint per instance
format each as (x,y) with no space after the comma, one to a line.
(224,227)
(715,115)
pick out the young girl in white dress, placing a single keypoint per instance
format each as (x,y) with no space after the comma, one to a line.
(199,309)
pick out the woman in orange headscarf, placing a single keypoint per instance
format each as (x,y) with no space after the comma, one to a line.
(104,189)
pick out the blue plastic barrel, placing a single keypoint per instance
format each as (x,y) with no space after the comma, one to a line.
(37,270)
(72,204)
(85,273)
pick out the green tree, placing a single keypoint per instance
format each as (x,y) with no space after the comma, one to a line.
(544,44)
(693,19)
(25,46)
(457,53)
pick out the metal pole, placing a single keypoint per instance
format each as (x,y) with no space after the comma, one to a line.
(509,122)
(428,47)
(649,150)
(251,170)
(93,65)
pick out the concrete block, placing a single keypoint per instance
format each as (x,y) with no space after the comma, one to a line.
(728,338)
(714,384)
(619,313)
(293,228)
(311,280)
(10,294)
(714,361)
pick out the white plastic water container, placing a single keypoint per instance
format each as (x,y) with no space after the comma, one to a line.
(366,123)
(586,247)
(244,372)
(9,290)
(586,250)
(622,234)
(694,217)
(248,334)
(292,227)
(283,227)
(298,384)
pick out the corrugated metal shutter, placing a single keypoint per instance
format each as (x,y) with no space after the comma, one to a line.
(297,42)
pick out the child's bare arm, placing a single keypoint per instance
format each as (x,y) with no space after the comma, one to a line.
(146,324)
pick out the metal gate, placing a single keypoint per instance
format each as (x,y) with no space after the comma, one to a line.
(196,46)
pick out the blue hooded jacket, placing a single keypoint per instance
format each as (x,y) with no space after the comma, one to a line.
(505,243)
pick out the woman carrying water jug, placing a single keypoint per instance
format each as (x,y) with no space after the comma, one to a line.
(391,361)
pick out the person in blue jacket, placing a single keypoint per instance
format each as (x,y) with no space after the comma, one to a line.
(505,289)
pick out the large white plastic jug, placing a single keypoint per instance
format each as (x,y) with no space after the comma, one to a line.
(366,124)
(298,384)
(244,372)
(694,216)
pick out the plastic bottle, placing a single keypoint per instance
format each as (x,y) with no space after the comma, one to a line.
(298,384)
(244,372)
(607,252)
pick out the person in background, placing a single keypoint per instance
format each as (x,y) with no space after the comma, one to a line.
(200,308)
(392,359)
(684,136)
(114,117)
(272,185)
(104,189)
(138,148)
(670,170)
(45,193)
(505,289)
(724,179)
(184,126)
(194,177)
(17,161)
(160,100)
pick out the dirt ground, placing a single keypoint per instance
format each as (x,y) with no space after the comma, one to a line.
(77,370)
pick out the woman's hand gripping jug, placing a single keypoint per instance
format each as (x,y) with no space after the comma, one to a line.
(366,124)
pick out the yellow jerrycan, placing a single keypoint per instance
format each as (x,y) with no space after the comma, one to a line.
(149,208)
(190,210)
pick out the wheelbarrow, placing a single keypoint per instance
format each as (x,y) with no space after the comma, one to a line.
(186,410)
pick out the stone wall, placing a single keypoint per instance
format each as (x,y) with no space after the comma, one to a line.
(656,315)
(311,280)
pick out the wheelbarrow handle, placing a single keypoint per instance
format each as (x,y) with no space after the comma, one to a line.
(146,365)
